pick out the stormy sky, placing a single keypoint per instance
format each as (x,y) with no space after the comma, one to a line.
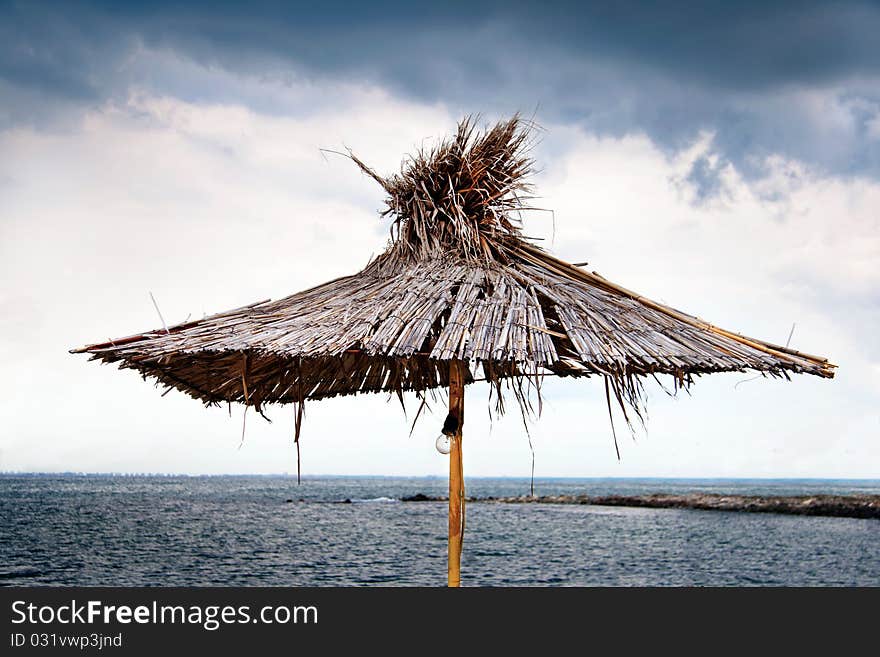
(721,157)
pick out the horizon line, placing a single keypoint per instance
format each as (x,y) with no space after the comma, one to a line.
(72,473)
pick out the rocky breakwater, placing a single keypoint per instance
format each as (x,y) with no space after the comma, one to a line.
(841,506)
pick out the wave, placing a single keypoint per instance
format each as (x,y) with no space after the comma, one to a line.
(15,573)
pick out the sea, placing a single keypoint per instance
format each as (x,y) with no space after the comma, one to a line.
(157,530)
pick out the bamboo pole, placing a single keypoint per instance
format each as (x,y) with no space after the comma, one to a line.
(456,474)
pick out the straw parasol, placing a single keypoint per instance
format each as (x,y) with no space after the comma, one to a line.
(459,295)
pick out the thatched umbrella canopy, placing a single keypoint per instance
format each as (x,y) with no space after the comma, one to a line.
(459,295)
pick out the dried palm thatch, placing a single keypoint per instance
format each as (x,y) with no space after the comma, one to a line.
(458,281)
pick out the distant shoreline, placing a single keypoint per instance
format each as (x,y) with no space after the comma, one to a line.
(549,478)
(838,506)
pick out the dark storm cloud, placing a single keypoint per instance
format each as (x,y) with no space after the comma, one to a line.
(742,70)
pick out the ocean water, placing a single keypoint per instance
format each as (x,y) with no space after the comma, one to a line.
(267,531)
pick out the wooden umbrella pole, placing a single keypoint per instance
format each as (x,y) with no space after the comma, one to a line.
(456,474)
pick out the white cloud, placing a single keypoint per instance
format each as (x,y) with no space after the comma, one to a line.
(211,206)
